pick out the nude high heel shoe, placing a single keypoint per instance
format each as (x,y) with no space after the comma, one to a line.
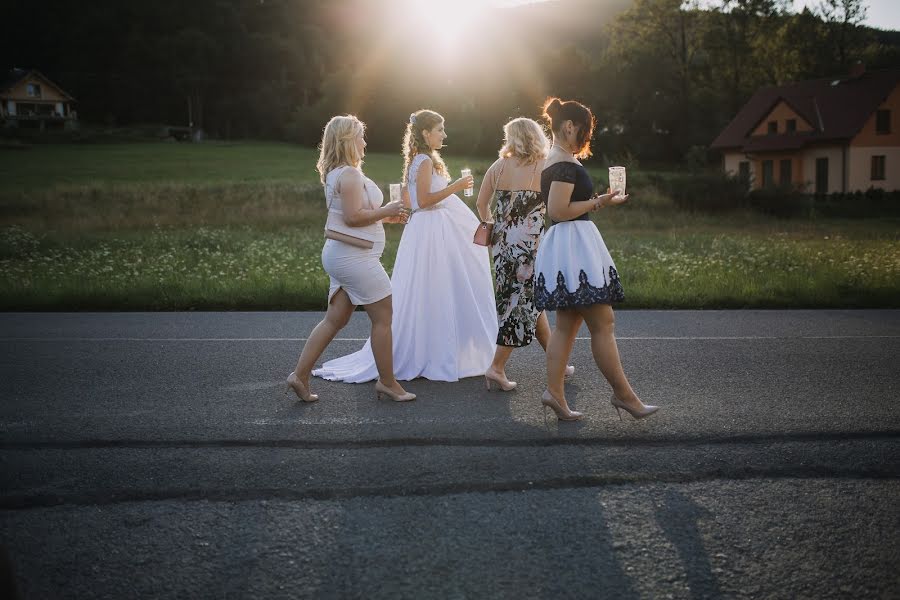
(491,377)
(570,370)
(380,389)
(563,415)
(637,413)
(300,389)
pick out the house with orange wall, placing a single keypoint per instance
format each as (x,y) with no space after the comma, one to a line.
(28,99)
(823,136)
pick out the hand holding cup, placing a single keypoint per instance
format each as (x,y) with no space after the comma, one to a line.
(464,183)
(610,197)
(397,211)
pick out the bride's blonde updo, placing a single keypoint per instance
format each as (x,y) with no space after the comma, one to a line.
(524,139)
(414,141)
(338,145)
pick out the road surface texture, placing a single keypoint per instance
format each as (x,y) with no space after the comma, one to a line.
(159,455)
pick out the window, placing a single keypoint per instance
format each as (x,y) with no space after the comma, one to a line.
(784,172)
(773,127)
(882,122)
(877,168)
(744,171)
(34,90)
(791,125)
(767,173)
(822,175)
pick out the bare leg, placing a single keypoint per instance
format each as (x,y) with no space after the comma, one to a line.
(542,333)
(601,323)
(542,330)
(558,350)
(381,314)
(340,309)
(501,355)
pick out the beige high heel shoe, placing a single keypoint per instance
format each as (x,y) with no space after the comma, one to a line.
(562,414)
(304,394)
(637,413)
(491,376)
(380,389)
(570,370)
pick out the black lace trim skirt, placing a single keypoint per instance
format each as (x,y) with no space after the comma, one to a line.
(574,268)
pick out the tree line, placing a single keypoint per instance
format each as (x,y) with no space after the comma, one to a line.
(663,76)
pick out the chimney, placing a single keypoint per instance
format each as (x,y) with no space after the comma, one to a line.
(857,70)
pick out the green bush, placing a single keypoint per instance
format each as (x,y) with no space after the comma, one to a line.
(781,201)
(855,205)
(703,191)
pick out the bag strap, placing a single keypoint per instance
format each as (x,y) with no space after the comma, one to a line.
(499,175)
(330,190)
(533,172)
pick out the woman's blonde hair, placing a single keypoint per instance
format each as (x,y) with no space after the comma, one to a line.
(338,145)
(524,139)
(414,141)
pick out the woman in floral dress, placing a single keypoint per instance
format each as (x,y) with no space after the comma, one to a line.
(513,181)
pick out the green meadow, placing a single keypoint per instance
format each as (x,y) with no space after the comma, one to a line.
(167,226)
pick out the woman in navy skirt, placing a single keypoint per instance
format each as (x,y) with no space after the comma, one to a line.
(575,275)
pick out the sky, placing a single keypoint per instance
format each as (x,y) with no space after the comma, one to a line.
(883,14)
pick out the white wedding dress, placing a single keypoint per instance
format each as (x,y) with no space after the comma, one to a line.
(445,322)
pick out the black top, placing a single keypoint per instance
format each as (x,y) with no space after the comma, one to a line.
(568,172)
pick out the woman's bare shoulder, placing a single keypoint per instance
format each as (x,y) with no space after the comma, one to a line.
(555,161)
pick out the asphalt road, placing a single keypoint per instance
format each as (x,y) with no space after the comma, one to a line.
(159,455)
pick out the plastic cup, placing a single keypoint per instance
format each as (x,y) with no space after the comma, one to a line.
(617,180)
(395,192)
(469,191)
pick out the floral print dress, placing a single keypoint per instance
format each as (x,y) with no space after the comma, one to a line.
(518,227)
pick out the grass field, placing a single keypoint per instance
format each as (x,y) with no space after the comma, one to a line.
(238,226)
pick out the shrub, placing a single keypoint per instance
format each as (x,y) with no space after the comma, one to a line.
(873,202)
(704,191)
(781,201)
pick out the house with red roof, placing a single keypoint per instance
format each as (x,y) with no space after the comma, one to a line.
(823,135)
(28,99)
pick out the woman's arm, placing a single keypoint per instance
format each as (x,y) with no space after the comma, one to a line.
(560,207)
(425,196)
(352,186)
(486,193)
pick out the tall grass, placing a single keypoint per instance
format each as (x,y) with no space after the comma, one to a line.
(178,227)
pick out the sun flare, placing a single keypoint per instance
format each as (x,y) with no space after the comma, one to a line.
(442,24)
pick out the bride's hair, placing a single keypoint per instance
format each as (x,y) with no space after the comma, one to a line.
(414,141)
(524,139)
(338,147)
(557,112)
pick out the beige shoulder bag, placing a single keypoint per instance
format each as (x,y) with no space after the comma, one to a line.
(336,229)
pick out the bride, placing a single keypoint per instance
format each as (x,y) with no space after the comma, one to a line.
(445,323)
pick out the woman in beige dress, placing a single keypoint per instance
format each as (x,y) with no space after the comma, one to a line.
(357,277)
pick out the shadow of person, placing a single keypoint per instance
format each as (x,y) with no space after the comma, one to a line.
(8,587)
(678,517)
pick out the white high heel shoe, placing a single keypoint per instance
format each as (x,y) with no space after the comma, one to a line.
(562,414)
(301,390)
(491,377)
(380,389)
(638,413)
